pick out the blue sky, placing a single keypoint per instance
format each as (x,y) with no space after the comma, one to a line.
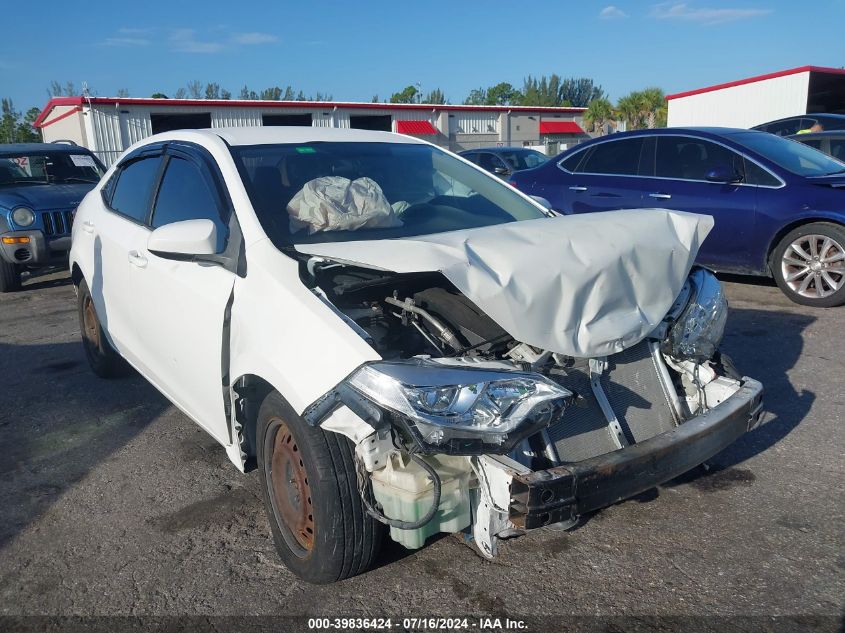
(356,50)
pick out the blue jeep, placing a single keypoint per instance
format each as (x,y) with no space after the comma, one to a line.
(41,185)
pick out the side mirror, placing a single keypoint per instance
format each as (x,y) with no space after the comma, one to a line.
(543,202)
(723,173)
(189,237)
(501,171)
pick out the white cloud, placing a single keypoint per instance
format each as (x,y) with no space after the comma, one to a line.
(612,13)
(253,38)
(183,40)
(705,15)
(125,41)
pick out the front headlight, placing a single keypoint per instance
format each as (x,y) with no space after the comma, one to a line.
(461,410)
(23,217)
(698,331)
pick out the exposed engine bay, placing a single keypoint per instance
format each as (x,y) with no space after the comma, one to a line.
(459,412)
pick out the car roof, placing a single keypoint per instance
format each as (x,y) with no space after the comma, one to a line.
(260,135)
(809,115)
(30,148)
(715,132)
(819,135)
(496,150)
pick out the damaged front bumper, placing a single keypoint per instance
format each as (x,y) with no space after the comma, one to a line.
(561,494)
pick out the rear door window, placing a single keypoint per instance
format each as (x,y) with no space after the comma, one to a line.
(688,158)
(133,191)
(837,148)
(614,158)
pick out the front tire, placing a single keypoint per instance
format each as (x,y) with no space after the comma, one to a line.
(809,265)
(103,359)
(309,486)
(10,277)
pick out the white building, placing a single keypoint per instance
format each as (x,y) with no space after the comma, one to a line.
(107,126)
(749,102)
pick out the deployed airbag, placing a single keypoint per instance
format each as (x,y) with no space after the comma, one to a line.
(333,203)
(581,285)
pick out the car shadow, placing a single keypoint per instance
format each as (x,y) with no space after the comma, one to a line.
(57,423)
(764,345)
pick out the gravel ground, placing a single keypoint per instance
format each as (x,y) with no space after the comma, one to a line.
(114,503)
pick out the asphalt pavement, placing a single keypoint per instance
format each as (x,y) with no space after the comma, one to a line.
(113,503)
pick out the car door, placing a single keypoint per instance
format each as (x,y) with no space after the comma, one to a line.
(681,167)
(605,179)
(112,234)
(181,304)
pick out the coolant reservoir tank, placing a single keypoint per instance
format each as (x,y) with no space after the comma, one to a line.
(406,492)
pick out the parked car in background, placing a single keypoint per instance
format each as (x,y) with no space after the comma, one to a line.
(794,124)
(41,185)
(392,336)
(778,205)
(503,161)
(831,143)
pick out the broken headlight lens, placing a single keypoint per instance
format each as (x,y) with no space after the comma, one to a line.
(698,331)
(458,409)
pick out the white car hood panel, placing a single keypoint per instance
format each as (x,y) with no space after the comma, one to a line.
(581,285)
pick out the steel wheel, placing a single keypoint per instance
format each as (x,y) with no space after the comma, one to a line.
(291,493)
(90,328)
(813,266)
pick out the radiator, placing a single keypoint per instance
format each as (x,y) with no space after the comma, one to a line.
(639,400)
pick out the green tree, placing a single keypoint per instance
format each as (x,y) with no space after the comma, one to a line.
(271,94)
(225,94)
(159,95)
(408,95)
(212,90)
(599,111)
(628,110)
(435,96)
(122,93)
(13,128)
(580,92)
(502,94)
(477,96)
(194,89)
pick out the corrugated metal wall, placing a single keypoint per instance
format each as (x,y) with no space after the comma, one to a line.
(117,127)
(745,105)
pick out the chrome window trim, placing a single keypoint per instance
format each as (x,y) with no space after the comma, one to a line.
(782,184)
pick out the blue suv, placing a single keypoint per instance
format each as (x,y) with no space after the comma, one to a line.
(778,205)
(41,185)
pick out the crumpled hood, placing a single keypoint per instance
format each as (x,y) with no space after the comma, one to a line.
(581,285)
(46,197)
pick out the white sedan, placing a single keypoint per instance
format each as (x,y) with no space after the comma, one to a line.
(396,339)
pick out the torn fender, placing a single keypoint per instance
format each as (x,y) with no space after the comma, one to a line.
(581,285)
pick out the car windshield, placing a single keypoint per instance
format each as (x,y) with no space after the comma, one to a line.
(48,168)
(328,191)
(524,158)
(791,155)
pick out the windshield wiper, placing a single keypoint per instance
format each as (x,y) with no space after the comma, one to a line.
(25,181)
(78,179)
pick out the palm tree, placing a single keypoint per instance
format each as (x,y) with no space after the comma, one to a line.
(599,112)
(628,110)
(651,101)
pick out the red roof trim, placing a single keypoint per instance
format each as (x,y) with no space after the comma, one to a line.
(751,80)
(129,101)
(420,128)
(39,123)
(560,127)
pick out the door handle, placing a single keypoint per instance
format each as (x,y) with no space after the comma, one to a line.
(136,259)
(661,196)
(88,226)
(577,188)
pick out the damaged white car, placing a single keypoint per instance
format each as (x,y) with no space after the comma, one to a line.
(393,337)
